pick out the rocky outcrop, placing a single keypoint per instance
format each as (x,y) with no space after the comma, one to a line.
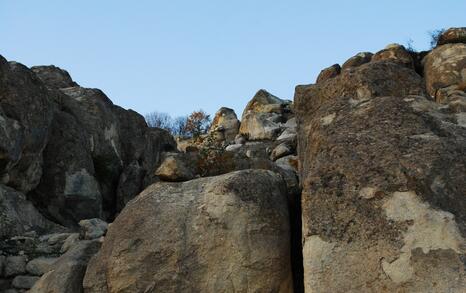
(68,148)
(452,36)
(54,77)
(225,125)
(263,115)
(445,66)
(379,204)
(357,60)
(25,117)
(395,53)
(217,234)
(329,72)
(382,168)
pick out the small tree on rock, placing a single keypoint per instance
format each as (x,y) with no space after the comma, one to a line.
(197,123)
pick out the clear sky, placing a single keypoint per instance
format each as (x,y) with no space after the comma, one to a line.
(177,56)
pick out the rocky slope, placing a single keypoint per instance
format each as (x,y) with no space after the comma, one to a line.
(378,145)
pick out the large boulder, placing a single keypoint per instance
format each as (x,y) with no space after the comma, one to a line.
(395,53)
(357,60)
(452,35)
(265,102)
(263,116)
(68,271)
(176,167)
(329,72)
(383,177)
(54,77)
(445,66)
(218,234)
(225,125)
(25,117)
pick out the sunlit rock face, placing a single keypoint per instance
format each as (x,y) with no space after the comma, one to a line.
(382,168)
(228,233)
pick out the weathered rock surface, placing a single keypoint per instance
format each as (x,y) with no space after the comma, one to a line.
(372,79)
(69,190)
(452,35)
(68,272)
(54,77)
(176,167)
(218,234)
(395,53)
(329,72)
(445,66)
(383,175)
(40,265)
(68,148)
(25,117)
(263,115)
(357,60)
(225,125)
(92,228)
(24,282)
(15,265)
(18,215)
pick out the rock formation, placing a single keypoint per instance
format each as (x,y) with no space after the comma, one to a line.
(383,173)
(358,185)
(219,234)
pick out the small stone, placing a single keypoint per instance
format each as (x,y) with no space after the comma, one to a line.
(233,147)
(289,133)
(40,265)
(288,163)
(92,228)
(69,242)
(240,139)
(24,282)
(15,265)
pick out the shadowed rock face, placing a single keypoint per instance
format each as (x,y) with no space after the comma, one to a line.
(67,147)
(383,202)
(54,77)
(25,118)
(228,233)
(17,215)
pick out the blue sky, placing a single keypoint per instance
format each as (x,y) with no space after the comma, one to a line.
(178,56)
